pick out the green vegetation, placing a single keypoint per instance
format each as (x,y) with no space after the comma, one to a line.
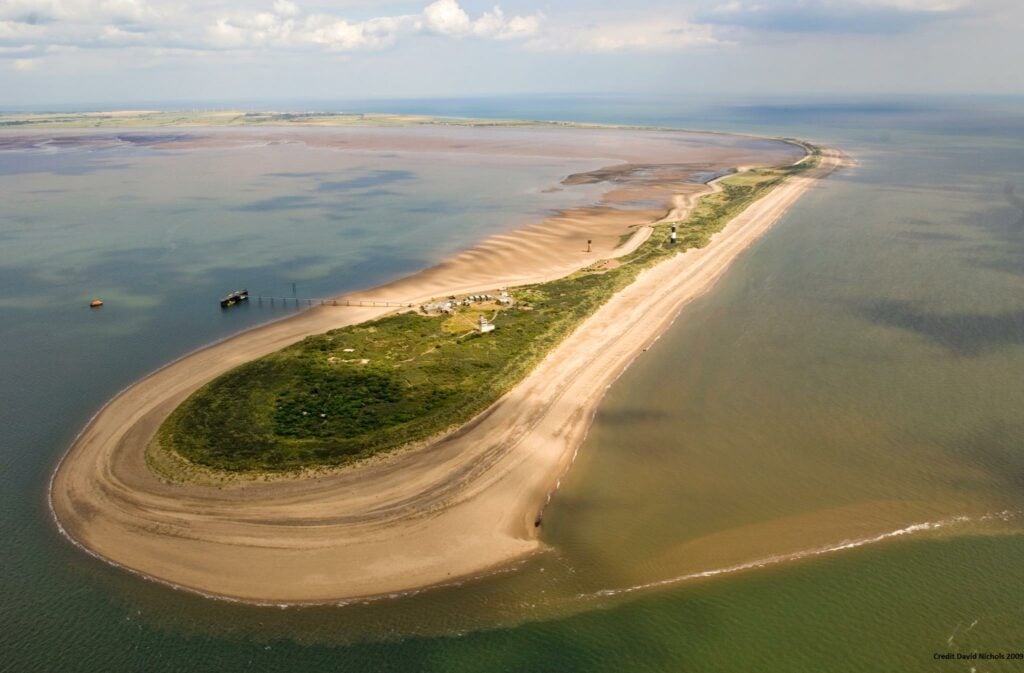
(360,390)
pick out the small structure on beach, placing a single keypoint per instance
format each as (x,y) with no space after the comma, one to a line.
(486,325)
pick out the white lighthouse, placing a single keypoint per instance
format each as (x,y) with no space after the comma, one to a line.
(485,325)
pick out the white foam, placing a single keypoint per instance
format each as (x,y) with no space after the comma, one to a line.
(799,555)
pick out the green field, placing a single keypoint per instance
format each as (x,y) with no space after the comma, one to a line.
(360,390)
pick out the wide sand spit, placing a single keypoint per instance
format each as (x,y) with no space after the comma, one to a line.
(455,508)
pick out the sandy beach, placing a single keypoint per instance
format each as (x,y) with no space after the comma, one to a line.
(421,517)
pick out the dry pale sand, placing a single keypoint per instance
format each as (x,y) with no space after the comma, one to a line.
(416,518)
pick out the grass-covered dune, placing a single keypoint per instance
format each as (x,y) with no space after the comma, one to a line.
(361,390)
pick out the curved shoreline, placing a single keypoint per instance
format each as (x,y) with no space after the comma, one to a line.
(484,476)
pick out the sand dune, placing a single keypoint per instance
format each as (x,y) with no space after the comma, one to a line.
(420,517)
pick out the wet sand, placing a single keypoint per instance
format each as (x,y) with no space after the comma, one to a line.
(426,516)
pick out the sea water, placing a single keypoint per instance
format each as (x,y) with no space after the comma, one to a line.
(818,467)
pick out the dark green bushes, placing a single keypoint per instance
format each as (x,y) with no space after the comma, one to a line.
(360,390)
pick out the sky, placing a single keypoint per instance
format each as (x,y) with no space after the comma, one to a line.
(133,51)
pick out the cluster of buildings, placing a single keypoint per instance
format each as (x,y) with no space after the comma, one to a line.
(452,304)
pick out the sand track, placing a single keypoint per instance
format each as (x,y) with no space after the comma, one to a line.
(426,516)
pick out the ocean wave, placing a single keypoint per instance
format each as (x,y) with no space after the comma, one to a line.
(844,545)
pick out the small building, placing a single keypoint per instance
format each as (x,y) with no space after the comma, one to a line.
(486,325)
(446,307)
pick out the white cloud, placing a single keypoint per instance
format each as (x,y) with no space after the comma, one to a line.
(78,11)
(660,35)
(286,8)
(344,36)
(495,25)
(280,24)
(446,17)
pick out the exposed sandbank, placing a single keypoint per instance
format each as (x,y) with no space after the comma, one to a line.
(415,518)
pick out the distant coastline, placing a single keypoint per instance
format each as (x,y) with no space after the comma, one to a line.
(127,119)
(115,120)
(465,505)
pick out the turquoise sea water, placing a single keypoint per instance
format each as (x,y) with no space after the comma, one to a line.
(858,371)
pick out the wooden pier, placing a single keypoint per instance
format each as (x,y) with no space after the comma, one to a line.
(339,301)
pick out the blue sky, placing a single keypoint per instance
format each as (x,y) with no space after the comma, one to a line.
(93,51)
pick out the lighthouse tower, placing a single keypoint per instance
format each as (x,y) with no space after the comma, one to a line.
(485,326)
